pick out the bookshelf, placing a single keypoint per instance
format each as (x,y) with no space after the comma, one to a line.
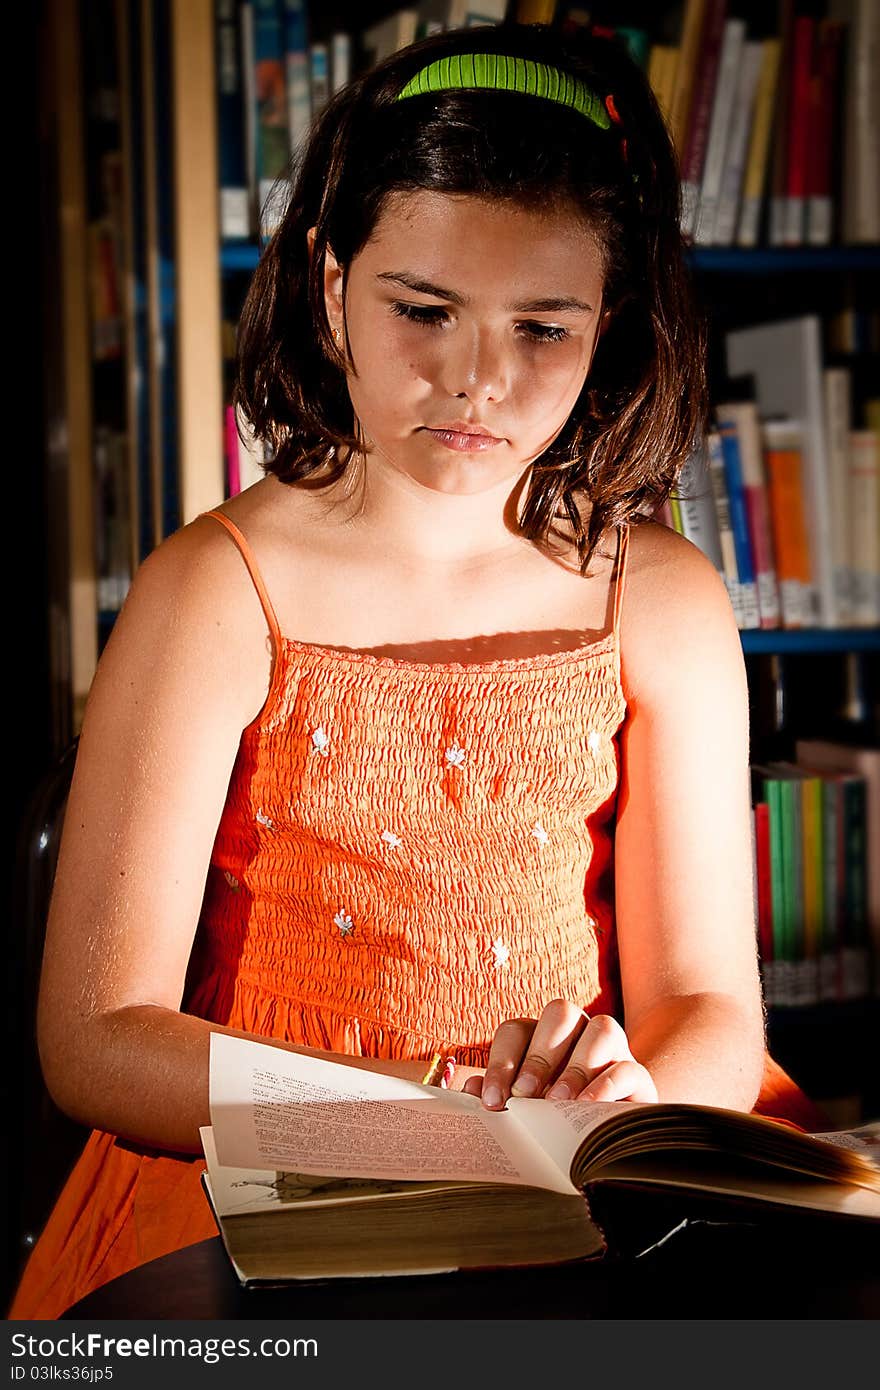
(179,281)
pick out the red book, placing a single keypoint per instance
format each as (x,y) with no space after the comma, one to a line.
(824,124)
(799,153)
(765,896)
(700,118)
(230,442)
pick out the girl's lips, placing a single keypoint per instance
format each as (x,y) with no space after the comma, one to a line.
(464,443)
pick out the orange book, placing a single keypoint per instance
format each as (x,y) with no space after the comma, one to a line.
(782,444)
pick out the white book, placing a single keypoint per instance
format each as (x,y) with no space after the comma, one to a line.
(785,359)
(837,383)
(730,570)
(319,72)
(699,519)
(860,219)
(719,129)
(735,158)
(340,61)
(251,454)
(864,499)
(389,35)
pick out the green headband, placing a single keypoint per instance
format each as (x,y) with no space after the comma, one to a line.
(497,73)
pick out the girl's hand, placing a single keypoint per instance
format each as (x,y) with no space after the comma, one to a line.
(563,1055)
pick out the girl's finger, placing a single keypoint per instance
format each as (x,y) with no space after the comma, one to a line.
(559,1028)
(473,1086)
(505,1055)
(601,1043)
(625,1080)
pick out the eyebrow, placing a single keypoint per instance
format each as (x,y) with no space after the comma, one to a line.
(552,304)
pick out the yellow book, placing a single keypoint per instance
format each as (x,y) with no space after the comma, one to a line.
(759,145)
(662,65)
(686,70)
(535,11)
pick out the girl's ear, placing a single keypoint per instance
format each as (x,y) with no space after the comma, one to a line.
(332,283)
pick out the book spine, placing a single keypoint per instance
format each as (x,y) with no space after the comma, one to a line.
(764,899)
(787,517)
(799,154)
(693,19)
(782,982)
(743,418)
(779,161)
(837,384)
(230,438)
(825,92)
(832,843)
(855,965)
(235,218)
(860,211)
(719,130)
(272,135)
(864,506)
(812,868)
(741,124)
(694,153)
(698,521)
(661,76)
(340,61)
(757,160)
(748,588)
(296,64)
(718,479)
(319,77)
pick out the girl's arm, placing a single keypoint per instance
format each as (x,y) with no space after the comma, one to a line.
(186,669)
(683,867)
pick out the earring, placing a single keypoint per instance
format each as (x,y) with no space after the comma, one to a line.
(336,335)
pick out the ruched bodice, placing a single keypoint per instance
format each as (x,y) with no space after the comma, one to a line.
(415,852)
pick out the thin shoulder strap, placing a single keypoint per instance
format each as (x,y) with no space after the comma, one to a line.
(248,556)
(620,581)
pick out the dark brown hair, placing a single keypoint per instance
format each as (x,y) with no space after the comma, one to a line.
(644,402)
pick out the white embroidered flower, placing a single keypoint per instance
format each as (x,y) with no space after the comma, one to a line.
(344,923)
(540,833)
(455,756)
(231,880)
(265,820)
(391,840)
(500,951)
(594,741)
(321,742)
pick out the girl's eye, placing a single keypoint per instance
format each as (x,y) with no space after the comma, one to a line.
(427,315)
(546,332)
(432,316)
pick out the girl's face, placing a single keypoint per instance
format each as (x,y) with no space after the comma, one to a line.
(465,316)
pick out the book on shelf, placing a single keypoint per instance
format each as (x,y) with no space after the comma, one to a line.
(828,757)
(825,132)
(693,511)
(837,386)
(692,23)
(268,91)
(730,63)
(662,62)
(317,1170)
(741,418)
(297,71)
(435,16)
(693,152)
(782,446)
(755,173)
(235,202)
(749,613)
(389,35)
(535,11)
(778,170)
(785,361)
(319,76)
(860,197)
(741,119)
(798,153)
(718,479)
(863,459)
(245,454)
(340,60)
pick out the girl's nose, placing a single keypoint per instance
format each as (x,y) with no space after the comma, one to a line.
(476,367)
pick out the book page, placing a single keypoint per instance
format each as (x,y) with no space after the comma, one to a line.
(560,1126)
(272,1109)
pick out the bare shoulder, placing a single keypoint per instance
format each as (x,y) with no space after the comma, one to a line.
(676,620)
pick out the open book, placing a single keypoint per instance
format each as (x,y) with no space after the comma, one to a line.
(317,1170)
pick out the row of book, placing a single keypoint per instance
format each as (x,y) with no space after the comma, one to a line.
(274,79)
(816,826)
(784,493)
(776,130)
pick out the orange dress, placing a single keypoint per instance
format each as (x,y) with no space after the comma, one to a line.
(408,855)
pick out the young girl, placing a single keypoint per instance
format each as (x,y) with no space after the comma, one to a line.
(422,744)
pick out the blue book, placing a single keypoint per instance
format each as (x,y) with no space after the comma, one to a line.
(235,220)
(739,521)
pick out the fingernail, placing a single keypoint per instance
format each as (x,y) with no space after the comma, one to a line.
(525,1085)
(491,1097)
(559,1092)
